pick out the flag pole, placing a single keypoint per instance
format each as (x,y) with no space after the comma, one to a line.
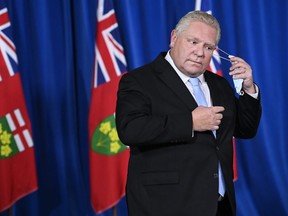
(114,211)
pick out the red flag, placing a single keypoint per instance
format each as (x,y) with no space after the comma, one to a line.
(17,163)
(108,156)
(215,67)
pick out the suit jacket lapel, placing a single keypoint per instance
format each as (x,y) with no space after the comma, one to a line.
(214,91)
(214,94)
(167,74)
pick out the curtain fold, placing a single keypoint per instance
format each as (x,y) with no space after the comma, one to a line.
(55,46)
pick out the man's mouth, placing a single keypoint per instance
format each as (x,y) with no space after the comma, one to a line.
(196,62)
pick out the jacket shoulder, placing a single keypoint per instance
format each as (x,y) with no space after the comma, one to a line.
(157,65)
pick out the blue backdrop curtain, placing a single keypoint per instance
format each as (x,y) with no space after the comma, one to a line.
(55,45)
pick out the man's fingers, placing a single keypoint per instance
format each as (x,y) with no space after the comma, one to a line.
(219,116)
(218,109)
(207,118)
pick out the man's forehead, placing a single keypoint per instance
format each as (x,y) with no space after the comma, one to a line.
(200,31)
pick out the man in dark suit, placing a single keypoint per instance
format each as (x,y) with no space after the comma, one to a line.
(181,160)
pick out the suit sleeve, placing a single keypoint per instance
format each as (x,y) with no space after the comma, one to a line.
(138,125)
(249,113)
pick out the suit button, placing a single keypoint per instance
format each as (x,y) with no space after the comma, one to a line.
(215,175)
(217,148)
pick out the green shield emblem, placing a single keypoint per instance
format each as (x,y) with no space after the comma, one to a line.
(105,138)
(8,146)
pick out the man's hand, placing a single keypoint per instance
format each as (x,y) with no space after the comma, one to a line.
(207,118)
(242,70)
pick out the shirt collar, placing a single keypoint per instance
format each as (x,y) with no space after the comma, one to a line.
(183,77)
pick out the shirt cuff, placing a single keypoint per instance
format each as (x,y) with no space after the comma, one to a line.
(255,95)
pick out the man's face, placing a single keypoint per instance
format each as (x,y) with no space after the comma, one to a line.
(193,48)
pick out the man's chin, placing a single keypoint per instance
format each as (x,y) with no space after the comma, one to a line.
(195,73)
(195,69)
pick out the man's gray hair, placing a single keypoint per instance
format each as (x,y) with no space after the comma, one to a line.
(199,16)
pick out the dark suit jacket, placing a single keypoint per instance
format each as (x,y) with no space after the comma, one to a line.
(170,172)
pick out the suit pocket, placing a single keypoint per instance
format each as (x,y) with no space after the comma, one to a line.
(160,178)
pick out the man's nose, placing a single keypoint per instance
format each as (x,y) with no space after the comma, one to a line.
(199,50)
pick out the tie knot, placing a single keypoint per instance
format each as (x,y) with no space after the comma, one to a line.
(194,81)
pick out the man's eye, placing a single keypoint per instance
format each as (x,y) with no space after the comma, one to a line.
(209,48)
(192,41)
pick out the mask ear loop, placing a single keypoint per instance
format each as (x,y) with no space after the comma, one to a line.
(223,51)
(237,82)
(217,54)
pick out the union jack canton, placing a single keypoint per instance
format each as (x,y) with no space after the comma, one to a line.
(110,60)
(8,57)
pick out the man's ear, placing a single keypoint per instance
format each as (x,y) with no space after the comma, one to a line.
(173,38)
